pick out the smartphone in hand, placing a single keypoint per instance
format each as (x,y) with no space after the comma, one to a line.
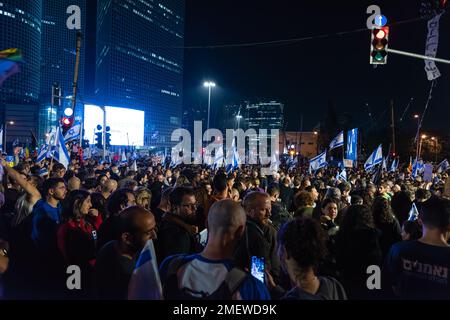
(258,268)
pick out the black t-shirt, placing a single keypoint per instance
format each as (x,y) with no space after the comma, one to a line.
(112,273)
(330,289)
(418,270)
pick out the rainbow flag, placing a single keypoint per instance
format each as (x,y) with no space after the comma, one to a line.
(9,63)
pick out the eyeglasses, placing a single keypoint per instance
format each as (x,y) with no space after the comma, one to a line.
(191,205)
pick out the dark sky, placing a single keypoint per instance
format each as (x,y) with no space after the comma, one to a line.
(306,75)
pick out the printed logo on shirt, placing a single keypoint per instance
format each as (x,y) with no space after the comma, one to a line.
(426,271)
(94,234)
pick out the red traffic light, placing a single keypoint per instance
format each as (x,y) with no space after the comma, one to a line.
(66,121)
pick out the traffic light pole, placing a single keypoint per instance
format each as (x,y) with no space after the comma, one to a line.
(419,56)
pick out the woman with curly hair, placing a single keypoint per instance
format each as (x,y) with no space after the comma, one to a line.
(357,247)
(386,223)
(302,246)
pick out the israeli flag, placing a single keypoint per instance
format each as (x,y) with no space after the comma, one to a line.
(123,158)
(375,158)
(60,153)
(274,165)
(418,167)
(145,283)
(443,166)
(352,145)
(318,162)
(218,158)
(234,164)
(338,141)
(413,213)
(384,164)
(342,175)
(394,165)
(43,151)
(73,133)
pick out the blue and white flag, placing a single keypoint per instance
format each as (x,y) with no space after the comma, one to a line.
(413,213)
(43,151)
(342,175)
(384,164)
(443,166)
(352,145)
(218,158)
(274,164)
(15,142)
(418,167)
(73,133)
(60,152)
(123,158)
(145,283)
(338,141)
(318,162)
(394,165)
(375,158)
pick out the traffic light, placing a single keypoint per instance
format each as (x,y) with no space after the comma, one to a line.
(56,95)
(98,140)
(85,143)
(66,123)
(108,139)
(379,45)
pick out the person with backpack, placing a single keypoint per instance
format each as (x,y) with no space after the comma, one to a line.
(211,274)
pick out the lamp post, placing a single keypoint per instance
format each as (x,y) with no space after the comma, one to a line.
(422,137)
(6,125)
(434,139)
(316,133)
(417,117)
(209,85)
(238,119)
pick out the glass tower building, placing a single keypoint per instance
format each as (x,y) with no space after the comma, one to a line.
(58,53)
(140,62)
(20,27)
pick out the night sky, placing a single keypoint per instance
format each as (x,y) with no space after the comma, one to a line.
(307,75)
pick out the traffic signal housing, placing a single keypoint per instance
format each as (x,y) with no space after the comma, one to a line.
(98,140)
(108,139)
(66,124)
(379,45)
(56,95)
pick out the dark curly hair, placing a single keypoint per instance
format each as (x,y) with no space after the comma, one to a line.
(357,217)
(304,240)
(382,211)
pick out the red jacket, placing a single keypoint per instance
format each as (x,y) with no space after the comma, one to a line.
(77,242)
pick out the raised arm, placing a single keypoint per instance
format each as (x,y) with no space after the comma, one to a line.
(31,190)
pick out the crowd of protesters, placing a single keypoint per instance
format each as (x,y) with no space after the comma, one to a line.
(316,235)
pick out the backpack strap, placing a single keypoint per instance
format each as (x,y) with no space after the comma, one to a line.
(234,279)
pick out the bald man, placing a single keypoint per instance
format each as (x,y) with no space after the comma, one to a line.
(211,273)
(74,183)
(108,188)
(260,234)
(117,259)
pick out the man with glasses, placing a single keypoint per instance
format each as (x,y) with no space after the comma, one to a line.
(178,234)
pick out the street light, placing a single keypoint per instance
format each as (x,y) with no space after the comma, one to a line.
(209,85)
(422,137)
(435,148)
